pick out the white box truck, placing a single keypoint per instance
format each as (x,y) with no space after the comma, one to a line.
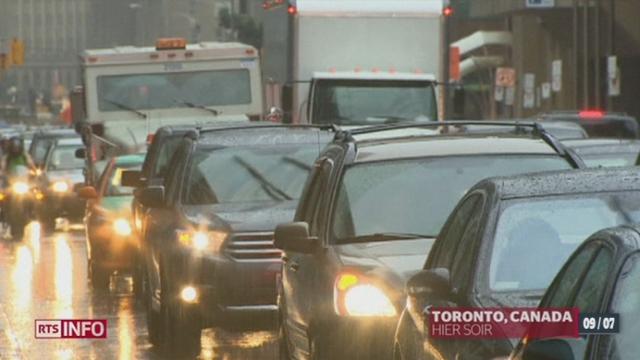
(129,92)
(353,62)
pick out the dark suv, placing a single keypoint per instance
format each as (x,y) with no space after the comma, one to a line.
(598,123)
(209,232)
(374,202)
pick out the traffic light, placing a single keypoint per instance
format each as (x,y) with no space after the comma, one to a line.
(17,52)
(5,61)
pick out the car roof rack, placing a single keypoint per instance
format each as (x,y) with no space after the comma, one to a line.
(537,130)
(213,128)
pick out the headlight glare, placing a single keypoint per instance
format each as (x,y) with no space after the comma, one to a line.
(122,227)
(202,240)
(60,186)
(367,300)
(20,188)
(356,295)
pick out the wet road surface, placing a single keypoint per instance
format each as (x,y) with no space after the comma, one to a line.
(46,278)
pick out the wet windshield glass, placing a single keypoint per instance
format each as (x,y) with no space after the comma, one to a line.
(64,158)
(370,102)
(416,196)
(170,90)
(626,302)
(249,173)
(542,233)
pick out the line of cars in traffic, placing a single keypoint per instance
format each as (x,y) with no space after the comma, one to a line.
(345,236)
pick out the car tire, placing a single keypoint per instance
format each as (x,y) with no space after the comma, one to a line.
(154,320)
(181,328)
(99,277)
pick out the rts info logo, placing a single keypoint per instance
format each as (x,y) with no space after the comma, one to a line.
(71,329)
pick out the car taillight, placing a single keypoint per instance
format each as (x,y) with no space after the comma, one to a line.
(591,114)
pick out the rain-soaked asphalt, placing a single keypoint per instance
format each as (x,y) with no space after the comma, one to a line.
(46,278)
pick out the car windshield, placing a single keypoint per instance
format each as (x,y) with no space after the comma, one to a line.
(350,102)
(175,89)
(114,185)
(64,158)
(626,302)
(256,173)
(541,234)
(609,159)
(416,195)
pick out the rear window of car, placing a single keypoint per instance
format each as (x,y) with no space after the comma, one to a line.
(541,234)
(416,195)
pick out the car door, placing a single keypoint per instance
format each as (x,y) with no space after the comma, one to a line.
(160,222)
(296,269)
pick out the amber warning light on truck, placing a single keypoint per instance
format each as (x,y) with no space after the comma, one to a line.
(71,329)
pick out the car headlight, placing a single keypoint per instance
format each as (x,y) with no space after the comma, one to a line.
(122,227)
(355,295)
(202,240)
(20,188)
(60,186)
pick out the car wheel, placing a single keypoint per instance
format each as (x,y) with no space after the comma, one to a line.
(154,320)
(181,324)
(99,277)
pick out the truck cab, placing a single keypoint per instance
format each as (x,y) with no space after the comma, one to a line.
(369,98)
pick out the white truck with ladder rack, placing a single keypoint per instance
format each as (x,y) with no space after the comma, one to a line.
(353,62)
(129,92)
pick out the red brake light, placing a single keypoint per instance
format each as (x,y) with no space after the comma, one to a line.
(447,11)
(292,10)
(591,114)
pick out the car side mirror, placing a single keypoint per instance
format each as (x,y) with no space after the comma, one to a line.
(548,349)
(81,153)
(87,192)
(295,237)
(131,178)
(435,282)
(152,196)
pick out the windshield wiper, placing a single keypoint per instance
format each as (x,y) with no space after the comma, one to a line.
(383,237)
(267,185)
(196,106)
(127,108)
(301,164)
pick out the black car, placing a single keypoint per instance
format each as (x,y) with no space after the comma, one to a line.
(602,276)
(43,140)
(502,246)
(373,204)
(209,232)
(598,123)
(606,152)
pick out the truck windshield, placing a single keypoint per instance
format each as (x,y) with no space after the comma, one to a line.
(357,102)
(171,90)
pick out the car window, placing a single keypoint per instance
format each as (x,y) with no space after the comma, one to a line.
(172,182)
(592,287)
(461,267)
(64,158)
(164,155)
(563,288)
(543,232)
(448,241)
(417,195)
(114,184)
(626,302)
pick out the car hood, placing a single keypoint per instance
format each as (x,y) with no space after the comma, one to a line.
(393,261)
(243,217)
(74,176)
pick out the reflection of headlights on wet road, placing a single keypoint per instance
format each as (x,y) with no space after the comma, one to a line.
(200,240)
(122,227)
(355,297)
(60,186)
(189,294)
(20,188)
